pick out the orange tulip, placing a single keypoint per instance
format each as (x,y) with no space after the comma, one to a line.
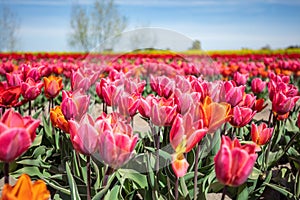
(214,114)
(53,85)
(58,119)
(25,189)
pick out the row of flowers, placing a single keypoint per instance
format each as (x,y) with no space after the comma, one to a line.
(181,111)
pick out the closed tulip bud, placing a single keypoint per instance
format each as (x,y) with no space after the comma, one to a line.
(58,119)
(234,162)
(257,85)
(84,135)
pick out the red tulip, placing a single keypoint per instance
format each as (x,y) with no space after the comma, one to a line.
(53,85)
(9,95)
(241,116)
(84,135)
(257,85)
(116,140)
(16,134)
(261,134)
(234,162)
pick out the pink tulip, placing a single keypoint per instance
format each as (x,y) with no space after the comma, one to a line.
(185,101)
(162,111)
(261,134)
(84,135)
(128,104)
(241,116)
(248,101)
(185,129)
(282,104)
(234,162)
(145,105)
(240,79)
(16,134)
(257,85)
(231,94)
(74,104)
(116,140)
(30,89)
(14,79)
(162,85)
(82,80)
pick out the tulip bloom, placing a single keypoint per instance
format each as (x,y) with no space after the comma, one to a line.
(261,134)
(30,89)
(83,80)
(128,104)
(145,105)
(162,85)
(240,79)
(74,104)
(25,189)
(162,111)
(214,114)
(241,116)
(234,162)
(184,135)
(231,94)
(116,140)
(16,134)
(9,95)
(84,135)
(53,85)
(58,119)
(257,85)
(282,104)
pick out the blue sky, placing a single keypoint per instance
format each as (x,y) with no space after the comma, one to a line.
(218,24)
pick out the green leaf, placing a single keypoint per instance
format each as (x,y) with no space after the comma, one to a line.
(255,174)
(138,178)
(183,187)
(280,189)
(297,185)
(31,171)
(102,192)
(72,184)
(242,192)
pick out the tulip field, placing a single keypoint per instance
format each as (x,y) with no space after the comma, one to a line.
(150,125)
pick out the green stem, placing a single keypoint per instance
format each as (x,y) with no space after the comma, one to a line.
(196,172)
(108,172)
(224,193)
(176,188)
(29,107)
(88,175)
(6,173)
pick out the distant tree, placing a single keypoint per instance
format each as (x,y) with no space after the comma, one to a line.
(266,47)
(9,25)
(196,45)
(90,29)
